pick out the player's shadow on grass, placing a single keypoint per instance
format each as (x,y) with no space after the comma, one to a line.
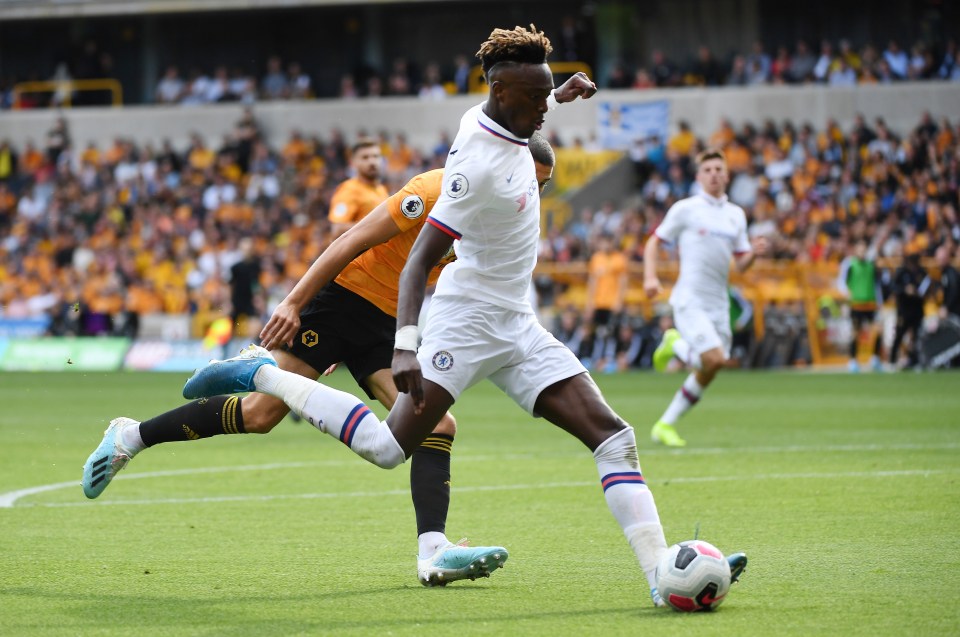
(320,612)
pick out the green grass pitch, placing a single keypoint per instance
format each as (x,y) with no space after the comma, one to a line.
(844,490)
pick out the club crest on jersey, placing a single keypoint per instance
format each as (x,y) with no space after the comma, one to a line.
(442,360)
(412,206)
(457,186)
(534,186)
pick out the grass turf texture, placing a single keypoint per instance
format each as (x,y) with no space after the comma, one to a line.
(842,489)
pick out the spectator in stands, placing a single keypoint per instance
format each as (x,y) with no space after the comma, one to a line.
(58,140)
(801,64)
(620,349)
(950,65)
(218,87)
(400,81)
(842,74)
(8,162)
(643,80)
(196,88)
(705,70)
(299,83)
(242,88)
(171,89)
(432,88)
(461,74)
(683,142)
(348,87)
(569,46)
(274,85)
(824,64)
(663,70)
(848,55)
(758,63)
(619,77)
(738,72)
(374,87)
(920,62)
(780,67)
(755,73)
(897,60)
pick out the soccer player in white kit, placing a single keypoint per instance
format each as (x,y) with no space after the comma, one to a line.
(708,231)
(480,323)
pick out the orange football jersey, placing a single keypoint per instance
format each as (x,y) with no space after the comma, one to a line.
(353,200)
(375,274)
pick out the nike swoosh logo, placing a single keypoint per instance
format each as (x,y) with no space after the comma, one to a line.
(708,599)
(510,178)
(454,152)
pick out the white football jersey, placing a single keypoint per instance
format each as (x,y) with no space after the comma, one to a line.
(490,205)
(708,232)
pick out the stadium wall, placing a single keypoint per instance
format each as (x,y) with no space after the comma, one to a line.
(899,104)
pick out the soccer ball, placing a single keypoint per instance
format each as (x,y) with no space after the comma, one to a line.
(692,576)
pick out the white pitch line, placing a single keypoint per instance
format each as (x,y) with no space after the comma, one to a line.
(505,487)
(10,498)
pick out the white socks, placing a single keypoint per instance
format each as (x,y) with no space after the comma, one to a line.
(333,412)
(685,398)
(131,440)
(630,500)
(429,542)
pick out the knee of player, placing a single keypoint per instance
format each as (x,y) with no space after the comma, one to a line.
(447,425)
(712,361)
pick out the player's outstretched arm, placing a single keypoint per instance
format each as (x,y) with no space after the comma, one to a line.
(427,250)
(760,246)
(651,252)
(376,228)
(578,85)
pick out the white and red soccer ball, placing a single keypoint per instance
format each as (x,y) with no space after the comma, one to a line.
(693,576)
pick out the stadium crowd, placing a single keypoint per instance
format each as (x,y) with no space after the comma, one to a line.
(95,237)
(835,63)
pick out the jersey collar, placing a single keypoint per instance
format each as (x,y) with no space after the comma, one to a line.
(496,129)
(714,201)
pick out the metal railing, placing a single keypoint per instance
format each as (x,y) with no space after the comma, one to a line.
(67,88)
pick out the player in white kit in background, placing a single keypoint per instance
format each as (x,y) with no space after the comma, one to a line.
(480,323)
(708,231)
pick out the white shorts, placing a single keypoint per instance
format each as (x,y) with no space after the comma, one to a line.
(704,330)
(466,340)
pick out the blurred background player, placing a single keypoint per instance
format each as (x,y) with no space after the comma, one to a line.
(741,325)
(606,290)
(708,231)
(859,281)
(356,197)
(910,286)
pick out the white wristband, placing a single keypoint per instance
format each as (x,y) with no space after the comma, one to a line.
(407,337)
(552,102)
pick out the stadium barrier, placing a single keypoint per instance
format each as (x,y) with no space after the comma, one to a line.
(60,354)
(66,88)
(901,105)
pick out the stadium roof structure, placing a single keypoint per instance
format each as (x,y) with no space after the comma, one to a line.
(42,9)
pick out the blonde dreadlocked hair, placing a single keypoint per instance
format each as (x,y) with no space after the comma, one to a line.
(518,46)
